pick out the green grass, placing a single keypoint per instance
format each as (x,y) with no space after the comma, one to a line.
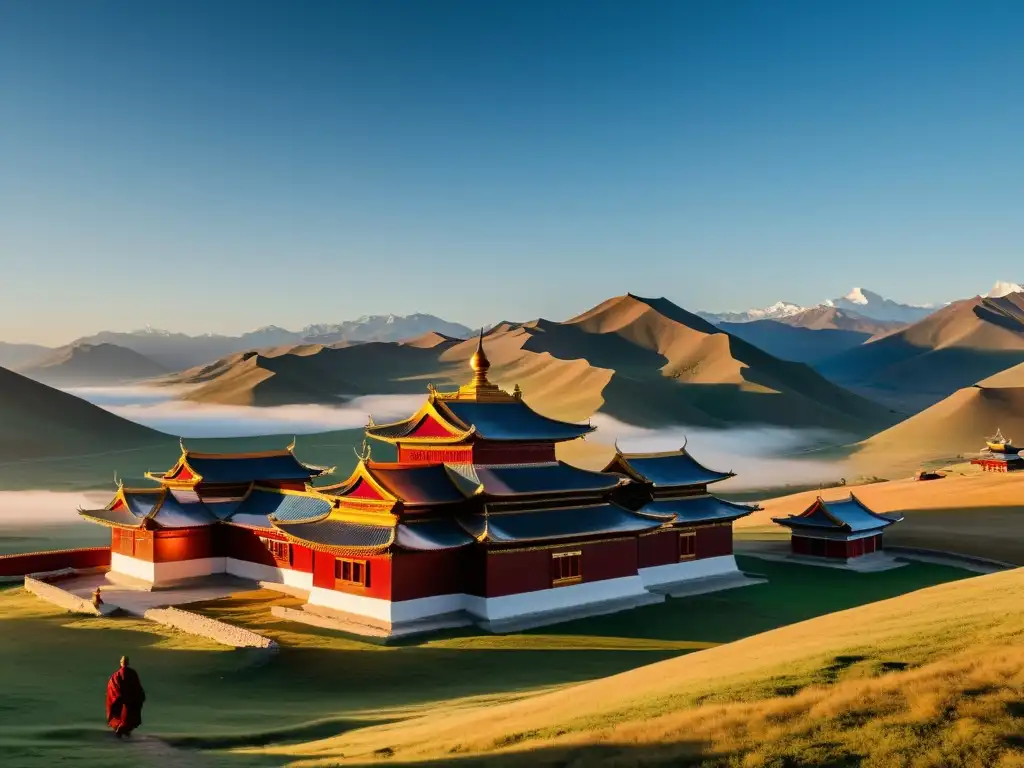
(54,665)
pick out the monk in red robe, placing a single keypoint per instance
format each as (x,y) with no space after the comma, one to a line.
(125,698)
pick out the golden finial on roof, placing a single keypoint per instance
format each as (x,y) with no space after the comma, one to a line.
(291,445)
(479,362)
(364,454)
(117,481)
(181,442)
(517,393)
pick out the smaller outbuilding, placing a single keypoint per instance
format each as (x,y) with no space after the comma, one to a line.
(837,530)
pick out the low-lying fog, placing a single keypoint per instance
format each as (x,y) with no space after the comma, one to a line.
(762,457)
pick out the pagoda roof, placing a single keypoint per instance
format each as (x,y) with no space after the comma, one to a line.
(670,469)
(695,509)
(429,535)
(479,408)
(160,508)
(543,524)
(337,532)
(555,477)
(238,468)
(850,515)
(151,508)
(413,484)
(264,507)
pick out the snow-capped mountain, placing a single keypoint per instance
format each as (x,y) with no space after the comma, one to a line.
(1003,288)
(776,311)
(382,328)
(877,307)
(861,301)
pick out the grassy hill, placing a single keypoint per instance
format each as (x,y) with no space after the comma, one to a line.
(958,345)
(323,684)
(979,513)
(37,422)
(645,361)
(934,678)
(91,364)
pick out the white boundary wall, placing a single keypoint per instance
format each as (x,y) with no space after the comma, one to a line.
(163,573)
(257,572)
(659,575)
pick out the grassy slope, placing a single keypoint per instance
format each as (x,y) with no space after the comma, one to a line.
(978,514)
(321,683)
(932,679)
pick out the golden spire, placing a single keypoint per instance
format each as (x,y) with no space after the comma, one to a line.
(479,362)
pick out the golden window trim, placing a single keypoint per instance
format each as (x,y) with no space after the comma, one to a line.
(576,553)
(364,570)
(566,581)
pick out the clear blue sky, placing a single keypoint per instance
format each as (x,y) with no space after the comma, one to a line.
(215,166)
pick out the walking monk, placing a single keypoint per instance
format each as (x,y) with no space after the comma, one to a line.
(125,698)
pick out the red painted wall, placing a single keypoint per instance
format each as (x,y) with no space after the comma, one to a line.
(430,427)
(379,585)
(714,541)
(38,562)
(419,454)
(513,572)
(302,559)
(363,490)
(426,574)
(186,544)
(609,560)
(658,549)
(485,452)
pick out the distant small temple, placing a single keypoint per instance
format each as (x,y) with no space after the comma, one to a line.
(999,455)
(477,520)
(837,530)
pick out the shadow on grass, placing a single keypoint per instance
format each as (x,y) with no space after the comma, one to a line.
(322,729)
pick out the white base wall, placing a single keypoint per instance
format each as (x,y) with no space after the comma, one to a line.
(660,575)
(163,573)
(385,610)
(257,572)
(554,599)
(488,609)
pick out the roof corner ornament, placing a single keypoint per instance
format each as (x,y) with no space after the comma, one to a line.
(181,442)
(517,392)
(431,391)
(686,439)
(291,445)
(617,449)
(118,481)
(369,420)
(364,454)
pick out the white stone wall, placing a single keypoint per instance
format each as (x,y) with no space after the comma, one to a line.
(659,575)
(203,626)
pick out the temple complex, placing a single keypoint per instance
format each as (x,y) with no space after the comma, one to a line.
(477,521)
(999,455)
(837,530)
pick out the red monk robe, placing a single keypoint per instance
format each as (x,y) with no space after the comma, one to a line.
(125,698)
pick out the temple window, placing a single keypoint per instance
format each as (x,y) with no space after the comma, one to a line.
(565,568)
(281,550)
(353,572)
(687,545)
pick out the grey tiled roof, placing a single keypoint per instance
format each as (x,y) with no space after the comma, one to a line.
(512,420)
(248,469)
(432,535)
(340,533)
(696,509)
(674,470)
(850,515)
(262,506)
(542,524)
(549,477)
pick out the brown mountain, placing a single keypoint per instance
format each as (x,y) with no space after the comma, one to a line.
(645,361)
(85,364)
(918,366)
(954,426)
(37,421)
(822,318)
(812,335)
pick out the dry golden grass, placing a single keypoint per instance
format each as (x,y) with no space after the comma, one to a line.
(980,514)
(930,679)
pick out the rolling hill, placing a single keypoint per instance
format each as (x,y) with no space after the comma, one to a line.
(954,426)
(812,335)
(91,364)
(916,367)
(645,361)
(37,422)
(931,678)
